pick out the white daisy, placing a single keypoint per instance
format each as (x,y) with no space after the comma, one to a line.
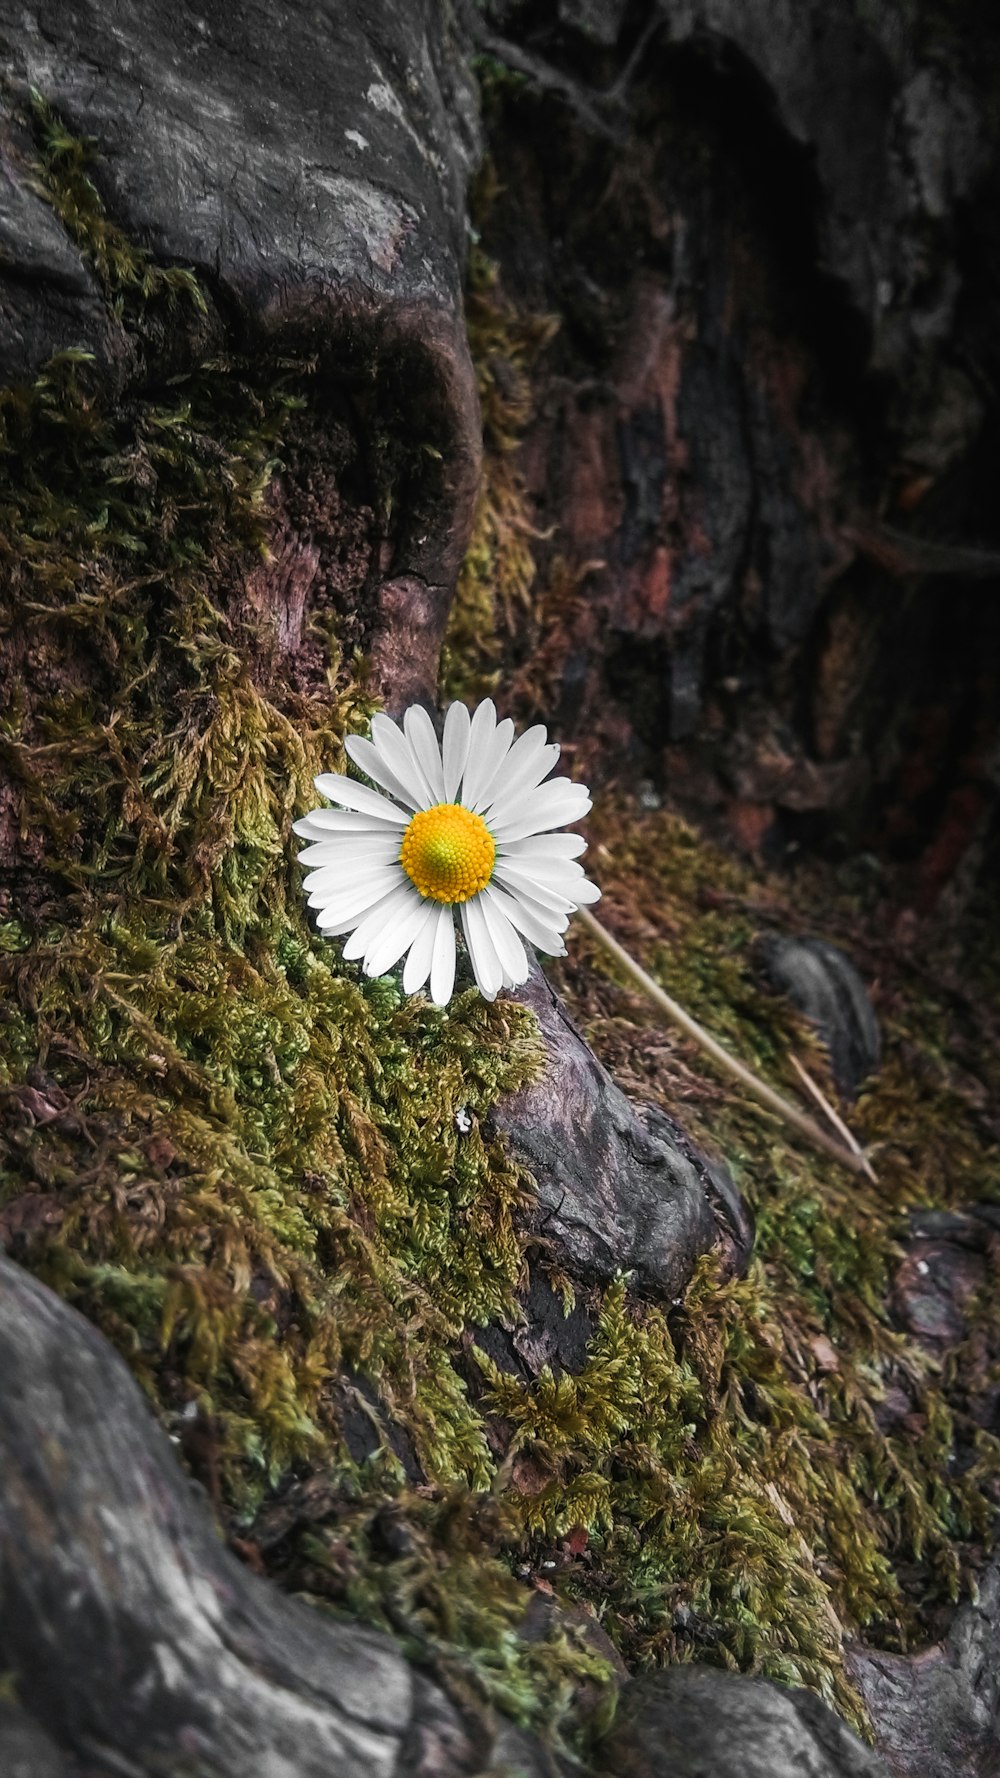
(465,824)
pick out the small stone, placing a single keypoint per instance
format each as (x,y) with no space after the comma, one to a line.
(694,1721)
(825,985)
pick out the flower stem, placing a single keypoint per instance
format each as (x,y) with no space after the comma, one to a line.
(758,1088)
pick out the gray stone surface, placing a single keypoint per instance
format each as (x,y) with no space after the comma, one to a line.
(49,298)
(937,1713)
(286,152)
(310,164)
(615,1193)
(701,1722)
(826,986)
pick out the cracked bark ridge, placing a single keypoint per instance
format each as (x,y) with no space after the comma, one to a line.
(318,192)
(137,1639)
(892,185)
(615,1193)
(701,1722)
(762,434)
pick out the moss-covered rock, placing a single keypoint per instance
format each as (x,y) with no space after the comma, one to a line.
(249,1168)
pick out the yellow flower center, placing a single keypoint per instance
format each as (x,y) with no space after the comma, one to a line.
(448,852)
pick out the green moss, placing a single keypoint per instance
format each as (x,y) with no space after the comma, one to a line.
(435,1570)
(244,1163)
(239,1158)
(744,1504)
(173,988)
(128,273)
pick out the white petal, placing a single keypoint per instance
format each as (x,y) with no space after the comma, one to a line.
(374,936)
(507,945)
(418,963)
(537,926)
(481,732)
(455,748)
(359,797)
(524,751)
(350,904)
(347,904)
(424,746)
(486,966)
(331,928)
(520,883)
(322,824)
(544,845)
(368,758)
(554,804)
(380,958)
(329,879)
(563,876)
(443,958)
(347,847)
(559,873)
(494,756)
(508,787)
(400,759)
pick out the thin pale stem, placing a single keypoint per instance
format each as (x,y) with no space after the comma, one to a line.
(756,1087)
(833,1114)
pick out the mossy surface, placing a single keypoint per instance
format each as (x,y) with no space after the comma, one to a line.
(246,1164)
(750,1506)
(241,1160)
(720,1482)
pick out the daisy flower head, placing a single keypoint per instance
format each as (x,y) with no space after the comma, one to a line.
(462,826)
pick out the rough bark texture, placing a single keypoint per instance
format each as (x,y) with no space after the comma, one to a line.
(762,432)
